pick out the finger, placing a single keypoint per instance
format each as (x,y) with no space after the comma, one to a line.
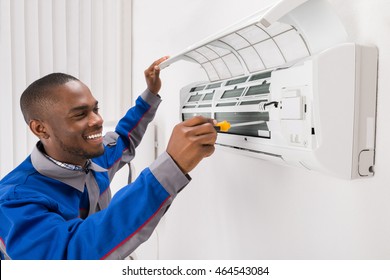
(155,65)
(208,150)
(205,128)
(204,139)
(162,59)
(156,72)
(207,139)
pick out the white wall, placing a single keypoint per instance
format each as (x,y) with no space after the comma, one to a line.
(241,208)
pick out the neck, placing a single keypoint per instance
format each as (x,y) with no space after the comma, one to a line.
(71,164)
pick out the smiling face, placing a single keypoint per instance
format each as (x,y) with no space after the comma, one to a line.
(71,130)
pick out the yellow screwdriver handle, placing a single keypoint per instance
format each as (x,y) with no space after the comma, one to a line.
(223,126)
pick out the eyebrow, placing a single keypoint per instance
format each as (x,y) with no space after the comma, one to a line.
(82,108)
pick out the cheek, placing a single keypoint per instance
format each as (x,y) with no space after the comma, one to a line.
(64,131)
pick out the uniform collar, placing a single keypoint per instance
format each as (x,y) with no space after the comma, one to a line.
(70,166)
(48,168)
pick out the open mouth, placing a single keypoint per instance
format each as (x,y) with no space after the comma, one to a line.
(94,136)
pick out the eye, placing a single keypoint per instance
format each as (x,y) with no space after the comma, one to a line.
(96,110)
(80,115)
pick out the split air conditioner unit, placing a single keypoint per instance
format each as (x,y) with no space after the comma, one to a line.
(292,87)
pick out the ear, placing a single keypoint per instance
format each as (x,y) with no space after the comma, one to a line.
(39,128)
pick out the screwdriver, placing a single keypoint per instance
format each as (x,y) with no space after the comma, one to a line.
(224,126)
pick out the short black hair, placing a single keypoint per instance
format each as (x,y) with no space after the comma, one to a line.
(38,96)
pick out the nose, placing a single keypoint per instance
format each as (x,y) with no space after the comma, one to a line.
(95,119)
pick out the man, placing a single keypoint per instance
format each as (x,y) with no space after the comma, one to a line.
(57,203)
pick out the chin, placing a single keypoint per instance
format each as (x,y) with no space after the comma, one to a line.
(96,154)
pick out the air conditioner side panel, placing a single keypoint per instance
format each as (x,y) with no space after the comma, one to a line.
(365,116)
(333,110)
(346,110)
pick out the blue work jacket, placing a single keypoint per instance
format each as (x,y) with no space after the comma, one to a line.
(49,212)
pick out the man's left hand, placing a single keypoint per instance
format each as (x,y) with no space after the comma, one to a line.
(152,75)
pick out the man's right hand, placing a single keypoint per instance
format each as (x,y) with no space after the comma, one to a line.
(191,141)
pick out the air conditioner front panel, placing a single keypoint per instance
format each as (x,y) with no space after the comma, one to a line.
(280,34)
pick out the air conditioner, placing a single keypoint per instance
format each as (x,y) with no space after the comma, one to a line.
(293,88)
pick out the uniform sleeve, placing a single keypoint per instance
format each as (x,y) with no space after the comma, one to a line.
(164,180)
(131,128)
(120,145)
(38,231)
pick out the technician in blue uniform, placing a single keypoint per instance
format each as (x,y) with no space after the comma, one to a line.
(57,203)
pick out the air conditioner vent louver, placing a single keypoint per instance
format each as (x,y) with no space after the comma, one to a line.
(260,76)
(259,89)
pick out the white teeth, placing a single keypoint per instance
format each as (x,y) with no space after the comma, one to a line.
(94,136)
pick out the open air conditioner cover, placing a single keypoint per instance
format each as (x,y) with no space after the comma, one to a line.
(282,33)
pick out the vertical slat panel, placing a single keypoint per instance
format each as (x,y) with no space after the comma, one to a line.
(19,73)
(72,37)
(6,127)
(125,54)
(85,42)
(32,40)
(59,36)
(46,59)
(46,48)
(97,80)
(118,63)
(45,37)
(32,62)
(110,94)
